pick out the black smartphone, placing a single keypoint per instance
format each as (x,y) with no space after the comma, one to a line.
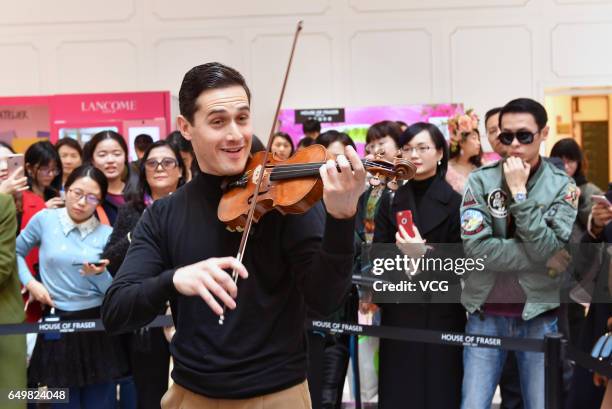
(95,263)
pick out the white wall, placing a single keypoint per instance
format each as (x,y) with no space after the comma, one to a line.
(352,52)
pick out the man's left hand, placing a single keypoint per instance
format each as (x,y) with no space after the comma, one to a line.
(342,189)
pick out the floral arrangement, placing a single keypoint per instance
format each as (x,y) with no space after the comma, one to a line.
(461,124)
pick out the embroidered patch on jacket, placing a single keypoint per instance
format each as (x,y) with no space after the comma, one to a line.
(472,221)
(468,198)
(552,212)
(572,195)
(496,202)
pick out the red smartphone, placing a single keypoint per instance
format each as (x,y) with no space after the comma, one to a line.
(404,218)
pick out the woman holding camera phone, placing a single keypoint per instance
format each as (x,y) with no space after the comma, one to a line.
(74,281)
(410,371)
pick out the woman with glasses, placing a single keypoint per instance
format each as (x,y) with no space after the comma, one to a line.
(417,372)
(161,172)
(465,152)
(73,280)
(108,152)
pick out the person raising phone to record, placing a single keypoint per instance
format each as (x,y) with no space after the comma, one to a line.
(434,207)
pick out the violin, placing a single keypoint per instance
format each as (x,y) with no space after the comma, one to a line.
(292,186)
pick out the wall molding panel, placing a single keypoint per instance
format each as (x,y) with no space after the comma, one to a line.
(351,52)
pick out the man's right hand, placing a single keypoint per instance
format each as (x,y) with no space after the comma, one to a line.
(208,278)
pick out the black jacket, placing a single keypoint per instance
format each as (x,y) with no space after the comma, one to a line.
(414,372)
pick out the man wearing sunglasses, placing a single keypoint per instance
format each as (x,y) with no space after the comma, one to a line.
(516,214)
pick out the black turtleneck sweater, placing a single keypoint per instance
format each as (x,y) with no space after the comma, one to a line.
(293,261)
(419,188)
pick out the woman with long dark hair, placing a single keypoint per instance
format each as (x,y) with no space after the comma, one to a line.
(162,171)
(108,152)
(416,372)
(73,280)
(44,173)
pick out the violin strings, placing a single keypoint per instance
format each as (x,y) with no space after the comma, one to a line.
(286,171)
(317,165)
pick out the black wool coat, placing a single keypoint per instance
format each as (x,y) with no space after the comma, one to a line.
(417,375)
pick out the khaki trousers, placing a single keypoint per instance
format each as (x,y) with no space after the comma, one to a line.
(296,397)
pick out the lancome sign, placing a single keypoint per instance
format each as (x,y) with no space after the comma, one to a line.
(108,107)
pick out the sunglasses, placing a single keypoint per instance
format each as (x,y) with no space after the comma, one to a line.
(524,137)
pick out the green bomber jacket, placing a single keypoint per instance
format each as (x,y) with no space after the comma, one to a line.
(516,237)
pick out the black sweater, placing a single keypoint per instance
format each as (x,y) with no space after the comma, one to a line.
(293,262)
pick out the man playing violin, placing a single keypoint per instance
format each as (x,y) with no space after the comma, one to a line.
(181,252)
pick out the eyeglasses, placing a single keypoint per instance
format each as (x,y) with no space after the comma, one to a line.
(166,164)
(78,194)
(524,137)
(49,171)
(419,149)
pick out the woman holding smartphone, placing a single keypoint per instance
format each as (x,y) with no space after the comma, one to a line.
(417,372)
(70,239)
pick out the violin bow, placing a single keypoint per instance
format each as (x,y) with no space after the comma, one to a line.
(249,221)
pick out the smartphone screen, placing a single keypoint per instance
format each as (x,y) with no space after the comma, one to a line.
(404,218)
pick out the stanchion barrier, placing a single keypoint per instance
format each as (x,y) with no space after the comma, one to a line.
(553,370)
(553,346)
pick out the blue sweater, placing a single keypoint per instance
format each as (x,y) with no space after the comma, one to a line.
(62,242)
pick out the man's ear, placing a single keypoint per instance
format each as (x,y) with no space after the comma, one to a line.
(184,126)
(544,132)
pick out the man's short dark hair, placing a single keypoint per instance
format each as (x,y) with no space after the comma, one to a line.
(205,77)
(311,125)
(142,142)
(527,106)
(384,128)
(491,112)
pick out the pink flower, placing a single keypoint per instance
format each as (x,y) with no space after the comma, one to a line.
(465,123)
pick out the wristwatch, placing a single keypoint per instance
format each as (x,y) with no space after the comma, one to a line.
(520,197)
